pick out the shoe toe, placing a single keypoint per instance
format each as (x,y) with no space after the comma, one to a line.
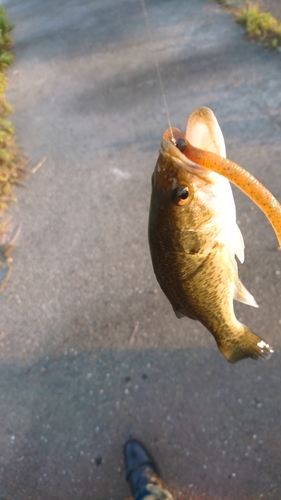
(135,455)
(140,468)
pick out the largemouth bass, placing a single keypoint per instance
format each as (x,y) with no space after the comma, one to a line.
(193,238)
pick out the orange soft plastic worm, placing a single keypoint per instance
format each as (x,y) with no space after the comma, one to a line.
(246,182)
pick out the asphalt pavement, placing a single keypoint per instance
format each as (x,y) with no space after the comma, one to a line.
(91,351)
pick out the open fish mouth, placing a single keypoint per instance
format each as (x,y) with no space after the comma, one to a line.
(203,132)
(171,149)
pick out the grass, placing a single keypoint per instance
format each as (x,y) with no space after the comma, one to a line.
(259,25)
(10,170)
(11,166)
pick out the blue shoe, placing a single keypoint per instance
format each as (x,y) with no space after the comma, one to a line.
(141,470)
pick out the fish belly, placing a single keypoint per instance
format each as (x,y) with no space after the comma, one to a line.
(204,294)
(198,287)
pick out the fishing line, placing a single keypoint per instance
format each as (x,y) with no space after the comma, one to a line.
(144,11)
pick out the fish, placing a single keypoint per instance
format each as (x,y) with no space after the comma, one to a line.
(194,238)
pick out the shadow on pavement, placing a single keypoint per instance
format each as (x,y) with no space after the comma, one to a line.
(67,417)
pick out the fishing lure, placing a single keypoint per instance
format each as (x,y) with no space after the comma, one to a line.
(242,179)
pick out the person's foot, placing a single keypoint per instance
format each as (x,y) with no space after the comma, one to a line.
(141,470)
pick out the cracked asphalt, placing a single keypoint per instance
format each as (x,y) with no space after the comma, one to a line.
(91,351)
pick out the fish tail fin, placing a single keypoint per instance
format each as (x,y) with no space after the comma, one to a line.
(246,345)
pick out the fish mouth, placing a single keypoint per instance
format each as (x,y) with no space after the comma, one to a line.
(203,134)
(170,148)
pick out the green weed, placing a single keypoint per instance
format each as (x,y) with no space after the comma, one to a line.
(260,26)
(9,153)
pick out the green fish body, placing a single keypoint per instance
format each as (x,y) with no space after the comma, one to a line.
(193,238)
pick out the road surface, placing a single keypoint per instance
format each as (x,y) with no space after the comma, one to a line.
(91,351)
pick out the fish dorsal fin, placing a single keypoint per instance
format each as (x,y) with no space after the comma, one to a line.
(229,265)
(204,132)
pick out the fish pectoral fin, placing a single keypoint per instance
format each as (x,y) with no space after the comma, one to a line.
(239,244)
(240,292)
(246,345)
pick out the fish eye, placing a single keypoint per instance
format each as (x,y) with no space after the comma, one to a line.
(181,195)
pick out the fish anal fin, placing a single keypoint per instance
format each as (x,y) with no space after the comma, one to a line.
(246,345)
(243,295)
(229,265)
